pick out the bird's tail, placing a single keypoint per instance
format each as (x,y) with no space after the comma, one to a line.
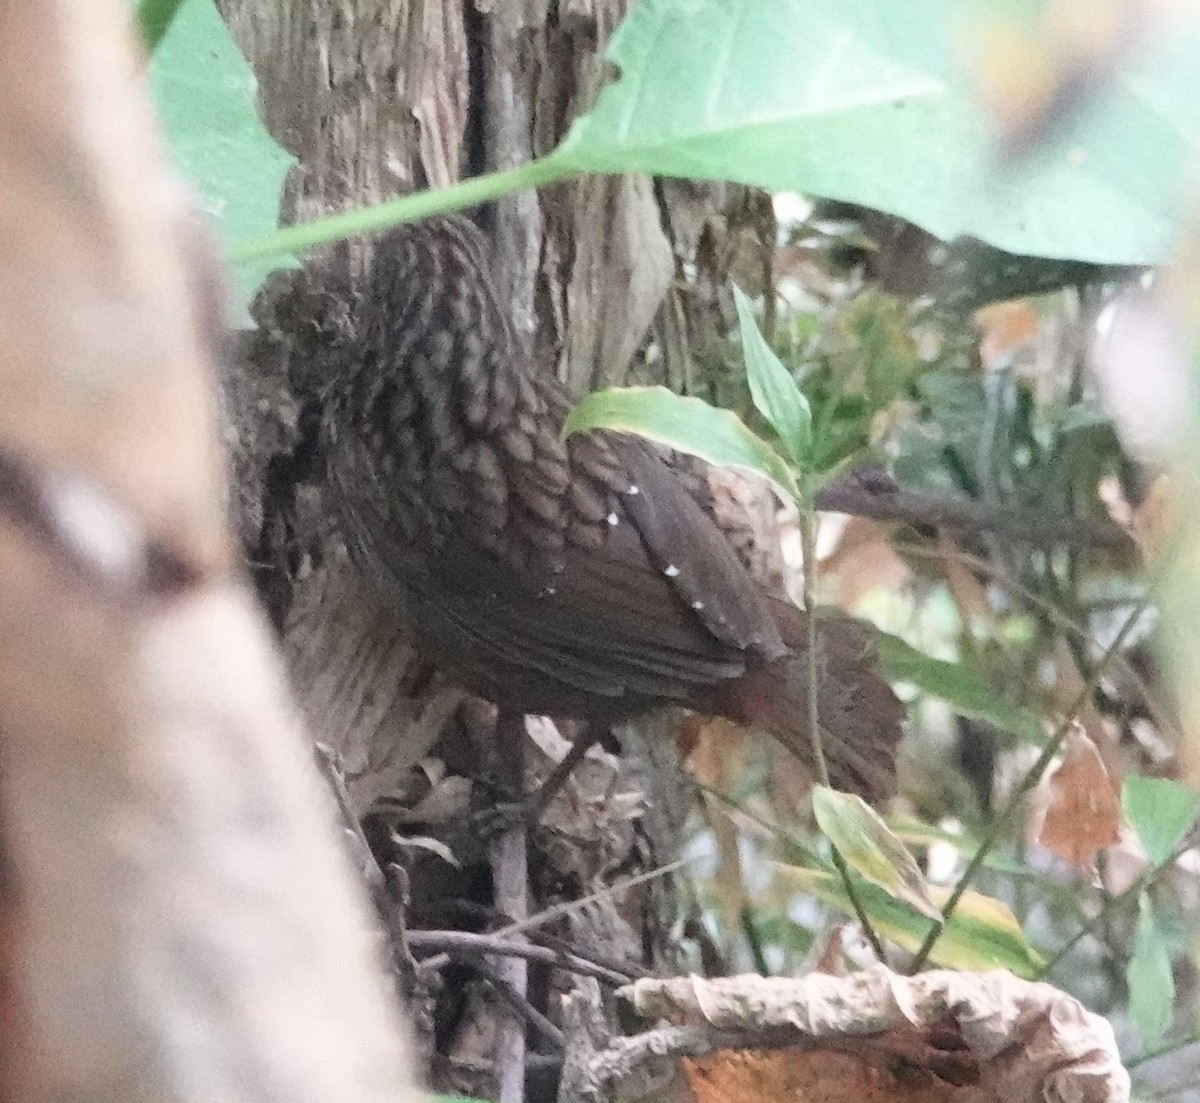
(859,715)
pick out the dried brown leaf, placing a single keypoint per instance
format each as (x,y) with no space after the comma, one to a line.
(1005,329)
(863,559)
(1016,1040)
(1083,812)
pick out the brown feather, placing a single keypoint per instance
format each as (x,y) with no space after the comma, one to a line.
(585,578)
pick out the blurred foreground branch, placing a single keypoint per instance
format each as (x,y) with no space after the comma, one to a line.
(179,920)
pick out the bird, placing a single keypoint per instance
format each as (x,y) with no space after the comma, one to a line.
(585,577)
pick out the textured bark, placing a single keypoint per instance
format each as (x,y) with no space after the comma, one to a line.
(178,918)
(376,98)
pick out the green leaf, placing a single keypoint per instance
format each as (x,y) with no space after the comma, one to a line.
(859,99)
(206,99)
(685,424)
(155,18)
(1160,811)
(870,848)
(964,689)
(1150,980)
(772,387)
(1087,414)
(982,933)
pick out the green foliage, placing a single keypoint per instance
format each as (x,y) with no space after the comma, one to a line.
(155,18)
(870,848)
(206,99)
(981,934)
(747,91)
(773,389)
(1151,982)
(684,424)
(1161,812)
(957,684)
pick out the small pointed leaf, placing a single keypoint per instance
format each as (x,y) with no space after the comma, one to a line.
(685,424)
(1160,811)
(869,847)
(772,387)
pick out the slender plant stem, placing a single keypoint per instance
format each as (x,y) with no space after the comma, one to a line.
(808,539)
(1168,1047)
(365,220)
(1026,786)
(155,18)
(809,544)
(1062,619)
(441,960)
(1111,903)
(754,942)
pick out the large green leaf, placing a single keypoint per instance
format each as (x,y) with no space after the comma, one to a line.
(864,100)
(964,689)
(205,94)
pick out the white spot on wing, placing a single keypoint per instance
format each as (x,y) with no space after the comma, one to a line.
(671,571)
(613,519)
(697,605)
(633,490)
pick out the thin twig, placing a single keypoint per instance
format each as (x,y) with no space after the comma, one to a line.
(1026,786)
(467,944)
(1111,903)
(519,1004)
(510,884)
(1063,620)
(613,965)
(1164,1050)
(569,906)
(440,961)
(809,551)
(861,498)
(809,544)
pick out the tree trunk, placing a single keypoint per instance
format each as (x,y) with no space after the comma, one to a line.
(374,99)
(178,920)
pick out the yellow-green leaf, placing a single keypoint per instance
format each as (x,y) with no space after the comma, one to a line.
(982,933)
(870,848)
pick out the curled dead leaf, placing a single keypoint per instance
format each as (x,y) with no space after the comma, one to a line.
(760,1038)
